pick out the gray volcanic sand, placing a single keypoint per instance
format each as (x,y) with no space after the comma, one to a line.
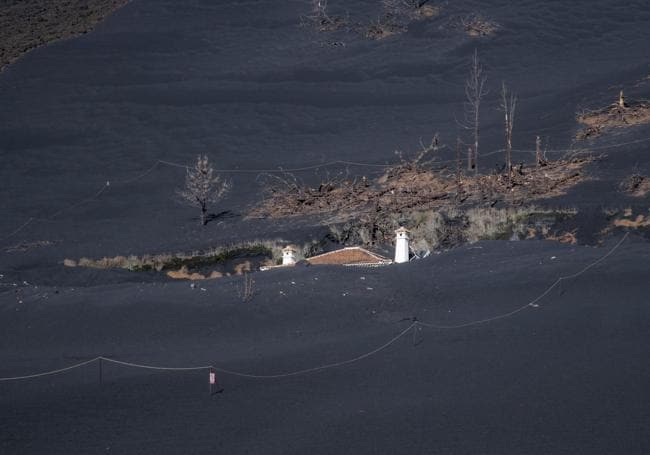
(241,81)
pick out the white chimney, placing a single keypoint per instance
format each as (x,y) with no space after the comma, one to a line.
(401,245)
(289,255)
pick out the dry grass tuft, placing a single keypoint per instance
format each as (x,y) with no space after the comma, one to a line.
(411,186)
(382,28)
(639,222)
(436,229)
(175,262)
(184,274)
(429,11)
(476,25)
(617,115)
(636,185)
(565,237)
(244,267)
(27,246)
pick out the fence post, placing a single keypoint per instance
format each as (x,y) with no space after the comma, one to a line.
(212,379)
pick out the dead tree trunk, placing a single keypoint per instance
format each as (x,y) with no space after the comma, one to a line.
(474,93)
(508,105)
(458,167)
(458,163)
(204,214)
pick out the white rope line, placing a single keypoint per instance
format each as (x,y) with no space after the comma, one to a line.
(49,373)
(222,370)
(320,368)
(83,201)
(297,169)
(535,300)
(343,362)
(151,367)
(284,170)
(22,226)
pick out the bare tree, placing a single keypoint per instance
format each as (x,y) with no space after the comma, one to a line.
(203,187)
(246,290)
(459,170)
(474,92)
(318,16)
(508,105)
(540,156)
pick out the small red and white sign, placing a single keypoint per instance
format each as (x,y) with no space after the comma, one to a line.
(213,378)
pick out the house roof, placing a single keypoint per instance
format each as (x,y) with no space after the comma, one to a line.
(349,256)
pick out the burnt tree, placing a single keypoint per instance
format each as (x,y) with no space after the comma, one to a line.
(203,187)
(508,106)
(474,92)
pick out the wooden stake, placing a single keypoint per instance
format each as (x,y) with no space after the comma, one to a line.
(458,165)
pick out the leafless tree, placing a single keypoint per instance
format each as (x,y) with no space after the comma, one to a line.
(508,105)
(318,16)
(540,156)
(430,150)
(246,290)
(474,92)
(459,170)
(203,187)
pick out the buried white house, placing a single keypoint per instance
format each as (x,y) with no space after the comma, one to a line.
(351,256)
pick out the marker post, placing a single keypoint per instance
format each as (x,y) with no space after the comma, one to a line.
(213,380)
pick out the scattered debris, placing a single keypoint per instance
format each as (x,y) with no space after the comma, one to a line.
(639,222)
(411,185)
(617,115)
(636,185)
(477,25)
(26,246)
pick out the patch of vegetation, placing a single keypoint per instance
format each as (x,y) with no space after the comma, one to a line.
(28,24)
(433,230)
(398,15)
(617,115)
(626,219)
(636,185)
(477,25)
(320,19)
(416,185)
(26,246)
(183,261)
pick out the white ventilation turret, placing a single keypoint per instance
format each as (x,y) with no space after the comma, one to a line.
(289,255)
(401,245)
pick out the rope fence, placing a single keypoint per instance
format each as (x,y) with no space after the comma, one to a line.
(105,187)
(415,324)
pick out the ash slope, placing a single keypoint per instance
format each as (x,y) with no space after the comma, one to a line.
(566,376)
(245,83)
